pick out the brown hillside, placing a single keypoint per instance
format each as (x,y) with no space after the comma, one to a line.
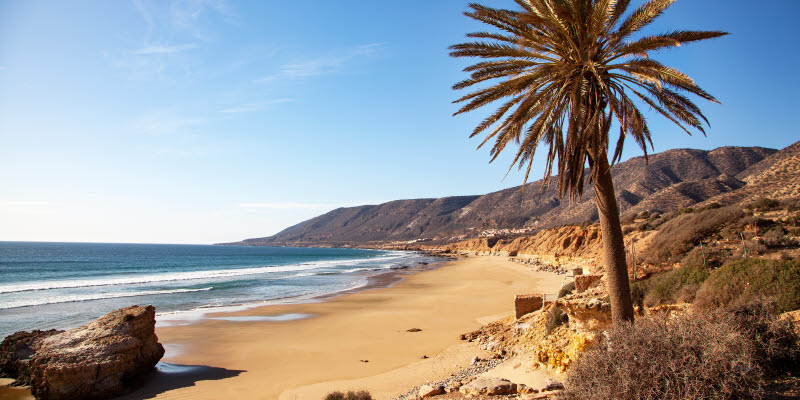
(671,180)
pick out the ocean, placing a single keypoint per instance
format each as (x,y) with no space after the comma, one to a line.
(64,285)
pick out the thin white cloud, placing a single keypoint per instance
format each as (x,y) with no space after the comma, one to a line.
(164,49)
(25,203)
(3,68)
(302,206)
(27,207)
(322,65)
(287,206)
(159,124)
(253,106)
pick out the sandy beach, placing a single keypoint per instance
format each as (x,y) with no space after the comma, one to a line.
(354,341)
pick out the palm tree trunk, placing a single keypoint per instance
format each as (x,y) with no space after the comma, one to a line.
(613,244)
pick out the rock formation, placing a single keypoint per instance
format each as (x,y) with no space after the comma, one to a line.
(16,352)
(94,361)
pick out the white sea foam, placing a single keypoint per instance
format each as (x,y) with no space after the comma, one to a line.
(87,297)
(188,275)
(187,317)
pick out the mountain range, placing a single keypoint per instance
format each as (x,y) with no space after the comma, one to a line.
(666,181)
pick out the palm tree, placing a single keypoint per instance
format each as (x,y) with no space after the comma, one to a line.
(564,71)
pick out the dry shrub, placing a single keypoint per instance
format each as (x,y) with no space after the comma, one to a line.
(764,204)
(776,342)
(656,358)
(705,257)
(679,235)
(722,354)
(776,239)
(360,395)
(743,281)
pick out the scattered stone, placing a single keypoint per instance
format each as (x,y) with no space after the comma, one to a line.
(552,384)
(364,361)
(543,395)
(425,357)
(475,360)
(489,386)
(525,389)
(527,303)
(429,390)
(453,386)
(414,330)
(577,271)
(96,360)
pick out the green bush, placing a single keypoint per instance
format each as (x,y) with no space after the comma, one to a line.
(743,281)
(764,204)
(711,206)
(678,285)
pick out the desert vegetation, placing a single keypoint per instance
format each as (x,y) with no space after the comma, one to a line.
(351,395)
(722,354)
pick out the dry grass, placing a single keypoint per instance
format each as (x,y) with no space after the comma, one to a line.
(681,234)
(360,395)
(714,355)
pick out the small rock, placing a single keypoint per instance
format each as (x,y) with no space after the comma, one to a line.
(552,384)
(543,395)
(489,386)
(424,357)
(525,389)
(475,360)
(429,390)
(364,361)
(414,330)
(452,386)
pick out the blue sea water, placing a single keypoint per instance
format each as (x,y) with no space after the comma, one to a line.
(63,285)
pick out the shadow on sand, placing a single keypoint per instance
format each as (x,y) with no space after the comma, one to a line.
(168,376)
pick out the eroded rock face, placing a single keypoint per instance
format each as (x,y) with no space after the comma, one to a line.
(16,352)
(94,361)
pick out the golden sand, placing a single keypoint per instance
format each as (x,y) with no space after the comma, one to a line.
(305,359)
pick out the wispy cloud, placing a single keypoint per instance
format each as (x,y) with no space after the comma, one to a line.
(323,65)
(164,49)
(287,206)
(33,207)
(302,205)
(159,124)
(254,106)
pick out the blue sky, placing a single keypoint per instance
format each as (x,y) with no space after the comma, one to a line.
(205,121)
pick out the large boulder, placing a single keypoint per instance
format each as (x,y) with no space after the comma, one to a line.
(97,360)
(16,351)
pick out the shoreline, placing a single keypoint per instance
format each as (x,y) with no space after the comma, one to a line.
(307,358)
(255,353)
